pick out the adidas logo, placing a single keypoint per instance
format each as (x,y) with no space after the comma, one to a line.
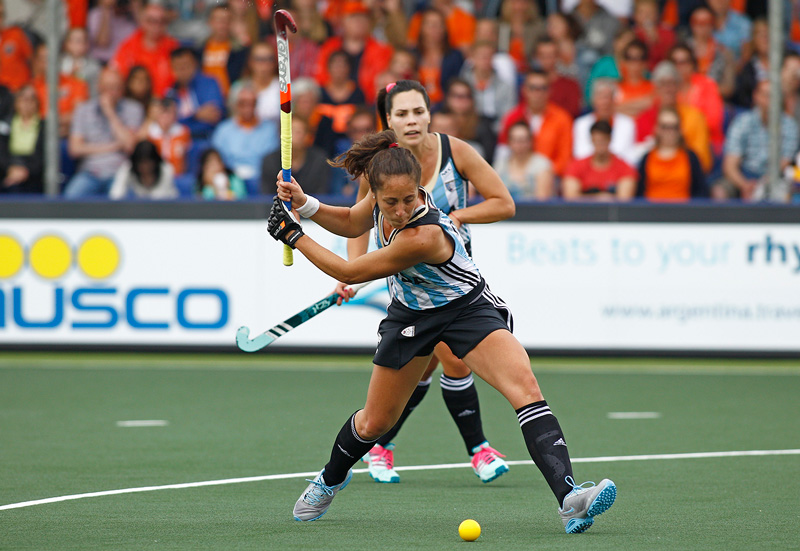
(344,451)
(466,412)
(559,442)
(408,331)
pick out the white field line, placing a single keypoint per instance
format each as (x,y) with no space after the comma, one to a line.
(633,415)
(143,423)
(602,459)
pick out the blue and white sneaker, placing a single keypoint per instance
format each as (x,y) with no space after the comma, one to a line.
(582,504)
(317,498)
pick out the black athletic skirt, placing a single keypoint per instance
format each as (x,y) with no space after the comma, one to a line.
(405,333)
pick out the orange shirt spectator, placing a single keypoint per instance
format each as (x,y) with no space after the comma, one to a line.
(460,27)
(71,93)
(173,144)
(670,172)
(703,94)
(635,92)
(693,127)
(551,125)
(553,138)
(666,179)
(700,91)
(149,46)
(15,57)
(215,63)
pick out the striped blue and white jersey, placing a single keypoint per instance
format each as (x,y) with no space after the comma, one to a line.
(448,188)
(425,286)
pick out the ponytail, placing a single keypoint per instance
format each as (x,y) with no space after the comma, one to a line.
(376,156)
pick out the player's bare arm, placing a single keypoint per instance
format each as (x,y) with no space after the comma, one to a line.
(426,244)
(345,221)
(498,203)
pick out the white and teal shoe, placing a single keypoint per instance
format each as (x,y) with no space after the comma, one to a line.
(487,463)
(381,463)
(317,498)
(582,504)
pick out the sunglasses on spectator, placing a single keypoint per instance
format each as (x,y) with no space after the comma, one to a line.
(537,88)
(668,126)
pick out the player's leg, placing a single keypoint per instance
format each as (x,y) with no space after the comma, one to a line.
(380,458)
(461,398)
(501,361)
(389,390)
(416,398)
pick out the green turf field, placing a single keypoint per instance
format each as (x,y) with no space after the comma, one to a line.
(243,417)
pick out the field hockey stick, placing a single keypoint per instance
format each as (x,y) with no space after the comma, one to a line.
(266,338)
(284,22)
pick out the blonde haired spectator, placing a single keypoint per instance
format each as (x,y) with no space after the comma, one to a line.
(526,174)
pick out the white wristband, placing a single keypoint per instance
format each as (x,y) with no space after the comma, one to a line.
(310,207)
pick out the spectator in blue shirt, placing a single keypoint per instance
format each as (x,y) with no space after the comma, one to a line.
(733,29)
(200,102)
(747,148)
(243,140)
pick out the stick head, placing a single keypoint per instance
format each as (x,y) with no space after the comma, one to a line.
(283,20)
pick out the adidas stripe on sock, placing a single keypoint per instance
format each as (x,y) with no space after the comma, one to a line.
(461,399)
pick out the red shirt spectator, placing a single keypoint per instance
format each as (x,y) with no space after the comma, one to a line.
(149,46)
(602,175)
(658,37)
(594,179)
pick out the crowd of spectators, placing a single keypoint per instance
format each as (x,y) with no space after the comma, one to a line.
(597,100)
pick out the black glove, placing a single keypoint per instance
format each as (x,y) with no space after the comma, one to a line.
(282,225)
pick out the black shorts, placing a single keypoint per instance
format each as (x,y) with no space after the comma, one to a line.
(405,333)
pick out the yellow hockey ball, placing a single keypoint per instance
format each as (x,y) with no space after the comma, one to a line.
(469,530)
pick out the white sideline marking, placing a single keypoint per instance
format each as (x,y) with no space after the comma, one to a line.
(311,474)
(143,423)
(634,415)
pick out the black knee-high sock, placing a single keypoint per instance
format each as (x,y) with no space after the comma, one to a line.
(348,448)
(461,399)
(547,446)
(416,397)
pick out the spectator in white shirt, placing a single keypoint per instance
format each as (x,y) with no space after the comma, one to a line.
(623,135)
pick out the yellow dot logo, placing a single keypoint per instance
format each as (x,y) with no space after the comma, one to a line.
(12,256)
(98,257)
(50,256)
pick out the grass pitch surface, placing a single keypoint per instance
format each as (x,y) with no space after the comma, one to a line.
(245,417)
